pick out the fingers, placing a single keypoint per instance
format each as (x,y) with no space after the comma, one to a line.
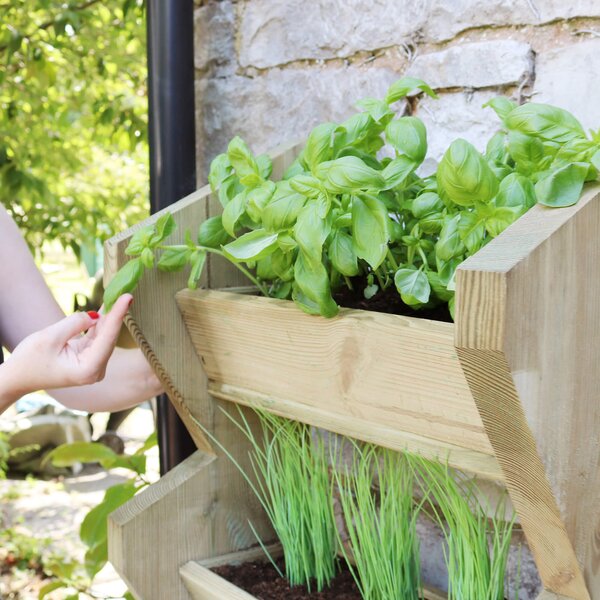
(67,328)
(110,327)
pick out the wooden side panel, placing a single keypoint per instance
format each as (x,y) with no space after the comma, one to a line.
(164,526)
(393,380)
(159,330)
(530,302)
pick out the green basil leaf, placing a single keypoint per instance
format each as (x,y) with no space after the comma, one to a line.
(545,121)
(370,229)
(283,209)
(348,174)
(147,258)
(342,254)
(220,170)
(438,287)
(449,244)
(355,130)
(377,109)
(562,187)
(412,285)
(229,189)
(139,240)
(471,229)
(465,175)
(516,191)
(258,198)
(405,86)
(500,219)
(501,105)
(264,267)
(409,137)
(527,151)
(595,159)
(212,234)
(312,281)
(124,281)
(319,145)
(282,264)
(426,204)
(496,150)
(253,246)
(265,165)
(311,231)
(447,269)
(232,213)
(174,259)
(163,228)
(242,159)
(397,172)
(286,242)
(198,261)
(307,185)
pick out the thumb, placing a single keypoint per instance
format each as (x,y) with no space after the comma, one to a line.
(69,327)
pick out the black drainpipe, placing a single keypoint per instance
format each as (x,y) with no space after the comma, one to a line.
(171,129)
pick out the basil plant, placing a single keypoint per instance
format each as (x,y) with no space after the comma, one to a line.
(353,211)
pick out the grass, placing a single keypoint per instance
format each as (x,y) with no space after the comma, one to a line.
(380,522)
(477,546)
(292,484)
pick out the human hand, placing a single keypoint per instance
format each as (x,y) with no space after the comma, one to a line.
(60,356)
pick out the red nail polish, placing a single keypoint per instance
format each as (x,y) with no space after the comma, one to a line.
(93,314)
(130,302)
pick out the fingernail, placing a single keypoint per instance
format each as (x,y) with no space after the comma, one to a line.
(130,302)
(93,314)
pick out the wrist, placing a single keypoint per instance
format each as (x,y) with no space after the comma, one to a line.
(11,384)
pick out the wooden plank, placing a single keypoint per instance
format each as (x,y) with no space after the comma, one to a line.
(545,595)
(252,554)
(528,325)
(333,418)
(203,584)
(159,330)
(387,371)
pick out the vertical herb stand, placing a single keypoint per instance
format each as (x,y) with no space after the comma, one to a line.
(508,392)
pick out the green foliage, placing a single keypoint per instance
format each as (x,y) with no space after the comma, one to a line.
(380,522)
(345,216)
(291,481)
(93,530)
(477,547)
(72,118)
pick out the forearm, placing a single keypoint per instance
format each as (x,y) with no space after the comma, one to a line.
(128,381)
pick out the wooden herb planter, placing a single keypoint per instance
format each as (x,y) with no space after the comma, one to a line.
(509,392)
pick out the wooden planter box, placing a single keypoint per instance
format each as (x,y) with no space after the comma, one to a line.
(508,392)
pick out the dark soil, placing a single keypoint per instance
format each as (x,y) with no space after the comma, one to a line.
(261,580)
(388,301)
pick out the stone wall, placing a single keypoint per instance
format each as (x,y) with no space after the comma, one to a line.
(269,70)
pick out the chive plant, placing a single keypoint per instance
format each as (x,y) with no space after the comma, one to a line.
(291,481)
(380,521)
(477,547)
